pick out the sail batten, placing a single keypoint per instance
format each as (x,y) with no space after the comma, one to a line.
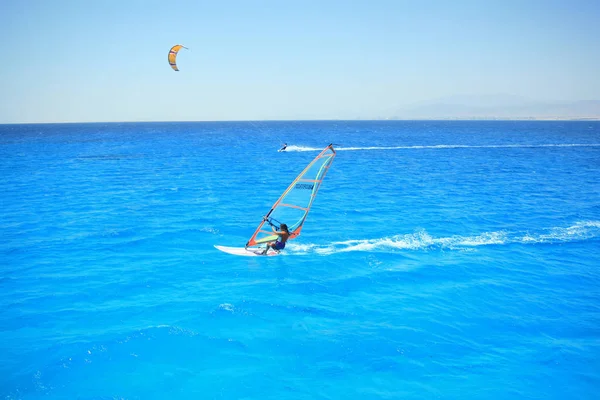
(294,204)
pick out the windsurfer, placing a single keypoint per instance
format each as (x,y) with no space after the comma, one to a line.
(279,244)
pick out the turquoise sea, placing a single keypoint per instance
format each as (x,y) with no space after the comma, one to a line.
(440,260)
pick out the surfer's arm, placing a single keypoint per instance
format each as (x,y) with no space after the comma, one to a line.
(279,233)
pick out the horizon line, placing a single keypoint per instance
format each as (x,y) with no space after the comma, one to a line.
(541,119)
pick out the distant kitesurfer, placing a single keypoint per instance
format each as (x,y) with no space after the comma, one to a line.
(283,148)
(279,244)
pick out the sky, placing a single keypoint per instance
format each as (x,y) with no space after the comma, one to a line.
(105,60)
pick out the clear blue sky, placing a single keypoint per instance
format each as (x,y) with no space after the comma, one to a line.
(105,60)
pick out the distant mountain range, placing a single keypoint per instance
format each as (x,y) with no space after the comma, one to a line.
(498,107)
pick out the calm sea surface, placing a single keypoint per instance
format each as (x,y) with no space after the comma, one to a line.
(441,260)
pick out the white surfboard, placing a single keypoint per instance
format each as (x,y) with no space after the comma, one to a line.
(242,251)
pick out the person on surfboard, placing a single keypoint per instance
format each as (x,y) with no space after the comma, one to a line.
(283,148)
(279,244)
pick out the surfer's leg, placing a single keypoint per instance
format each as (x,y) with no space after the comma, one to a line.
(266,248)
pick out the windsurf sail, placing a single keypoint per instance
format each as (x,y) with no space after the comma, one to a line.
(295,203)
(173,55)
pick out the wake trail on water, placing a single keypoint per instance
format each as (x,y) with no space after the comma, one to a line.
(422,241)
(293,148)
